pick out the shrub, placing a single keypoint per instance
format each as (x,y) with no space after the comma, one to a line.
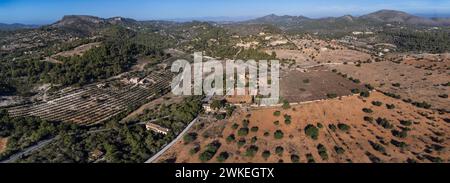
(251,151)
(265,154)
(339,150)
(355,90)
(276,122)
(390,106)
(194,150)
(398,144)
(306,81)
(332,127)
(396,84)
(286,104)
(295,158)
(210,151)
(399,134)
(312,131)
(266,134)
(368,119)
(310,158)
(377,103)
(370,87)
(367,110)
(277,113)
(422,105)
(231,138)
(278,134)
(254,129)
(406,122)
(319,125)
(364,94)
(242,131)
(443,96)
(222,157)
(343,127)
(331,95)
(322,151)
(245,123)
(241,142)
(384,123)
(279,150)
(235,126)
(287,119)
(253,140)
(190,137)
(377,147)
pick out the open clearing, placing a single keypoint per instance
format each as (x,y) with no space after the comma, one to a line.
(426,139)
(3,142)
(402,79)
(299,86)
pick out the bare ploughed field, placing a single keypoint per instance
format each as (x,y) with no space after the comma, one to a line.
(363,140)
(432,62)
(313,51)
(296,86)
(403,79)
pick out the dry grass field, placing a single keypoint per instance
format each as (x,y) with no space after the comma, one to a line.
(403,79)
(346,133)
(296,86)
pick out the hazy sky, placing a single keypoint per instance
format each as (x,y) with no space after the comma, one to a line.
(47,11)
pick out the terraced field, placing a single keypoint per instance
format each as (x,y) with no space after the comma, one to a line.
(94,103)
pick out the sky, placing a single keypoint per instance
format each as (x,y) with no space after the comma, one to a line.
(48,11)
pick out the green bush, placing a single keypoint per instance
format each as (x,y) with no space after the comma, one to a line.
(343,127)
(210,151)
(384,123)
(364,94)
(322,151)
(367,110)
(251,151)
(295,158)
(190,137)
(331,95)
(406,122)
(339,150)
(332,127)
(377,103)
(310,158)
(230,138)
(241,142)
(312,131)
(243,132)
(254,129)
(390,106)
(277,113)
(287,119)
(222,157)
(278,134)
(368,119)
(235,126)
(266,154)
(279,150)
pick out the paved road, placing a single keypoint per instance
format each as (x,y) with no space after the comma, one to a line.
(29,150)
(163,150)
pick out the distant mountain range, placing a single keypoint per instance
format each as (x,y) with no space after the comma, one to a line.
(87,24)
(379,17)
(16,26)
